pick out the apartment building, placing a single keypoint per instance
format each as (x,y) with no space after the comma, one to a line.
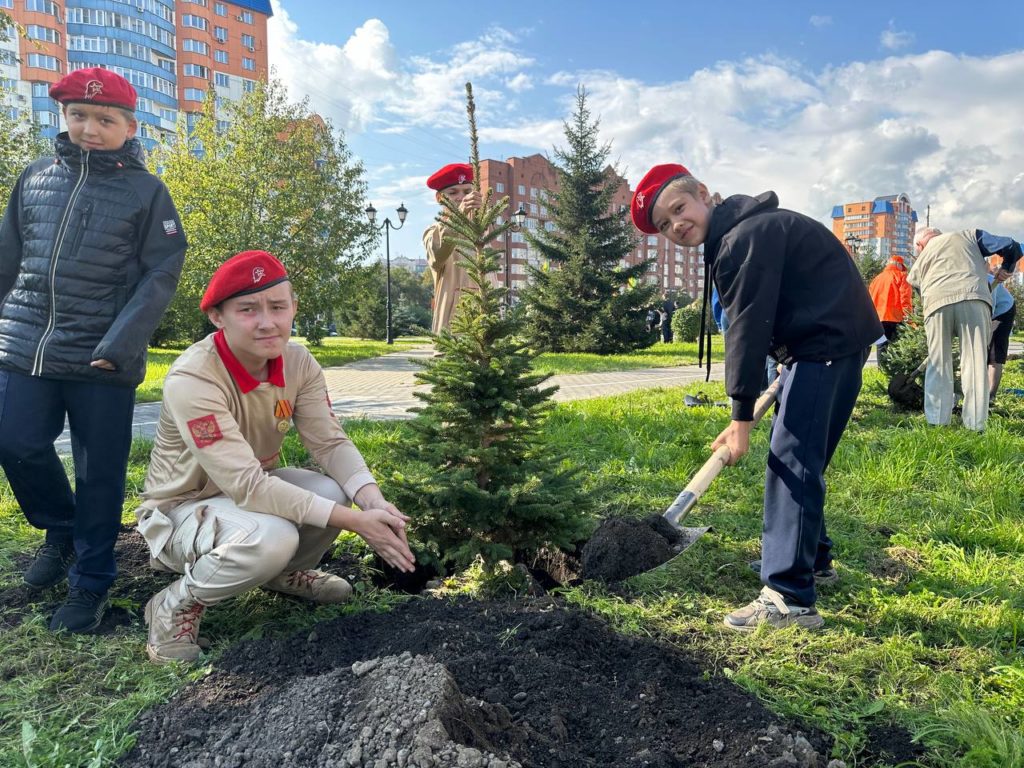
(885,223)
(171,51)
(527,180)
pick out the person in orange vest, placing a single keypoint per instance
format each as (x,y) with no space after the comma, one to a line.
(891,295)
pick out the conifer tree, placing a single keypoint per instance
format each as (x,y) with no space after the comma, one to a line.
(586,302)
(477,477)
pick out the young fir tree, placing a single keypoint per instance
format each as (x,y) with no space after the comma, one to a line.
(586,302)
(477,476)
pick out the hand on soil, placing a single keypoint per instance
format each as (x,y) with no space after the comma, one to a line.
(383,529)
(736,437)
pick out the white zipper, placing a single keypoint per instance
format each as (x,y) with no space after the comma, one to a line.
(62,231)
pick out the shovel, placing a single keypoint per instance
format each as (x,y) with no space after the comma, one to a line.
(680,509)
(905,390)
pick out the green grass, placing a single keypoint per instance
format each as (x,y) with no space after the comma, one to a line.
(925,629)
(657,356)
(335,350)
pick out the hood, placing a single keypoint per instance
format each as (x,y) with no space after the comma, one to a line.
(131,155)
(733,210)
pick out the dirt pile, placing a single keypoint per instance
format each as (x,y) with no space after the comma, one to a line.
(526,682)
(623,547)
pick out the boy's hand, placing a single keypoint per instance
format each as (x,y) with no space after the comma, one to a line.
(471,202)
(737,438)
(106,365)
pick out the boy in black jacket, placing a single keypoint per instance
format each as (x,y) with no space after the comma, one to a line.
(789,289)
(91,249)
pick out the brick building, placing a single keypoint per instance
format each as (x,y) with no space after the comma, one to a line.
(887,223)
(526,180)
(172,51)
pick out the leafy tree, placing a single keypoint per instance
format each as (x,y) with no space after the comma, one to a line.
(275,178)
(362,311)
(587,302)
(20,142)
(869,263)
(476,475)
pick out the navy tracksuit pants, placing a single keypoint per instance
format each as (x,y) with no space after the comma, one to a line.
(32,411)
(814,406)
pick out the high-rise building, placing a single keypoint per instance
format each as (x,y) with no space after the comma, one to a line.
(886,223)
(171,51)
(527,180)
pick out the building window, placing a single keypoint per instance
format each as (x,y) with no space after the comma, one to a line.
(533,192)
(221,57)
(521,190)
(195,46)
(220,34)
(249,64)
(35,32)
(248,86)
(248,41)
(168,114)
(44,62)
(220,9)
(195,94)
(223,126)
(499,187)
(196,22)
(48,119)
(42,6)
(7,4)
(197,2)
(533,208)
(195,70)
(40,90)
(246,17)
(221,79)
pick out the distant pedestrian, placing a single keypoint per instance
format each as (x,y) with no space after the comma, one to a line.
(891,294)
(668,307)
(818,322)
(951,272)
(91,248)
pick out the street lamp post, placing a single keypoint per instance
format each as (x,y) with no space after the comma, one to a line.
(852,243)
(518,220)
(387,226)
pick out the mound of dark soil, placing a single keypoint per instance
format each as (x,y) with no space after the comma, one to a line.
(499,684)
(623,547)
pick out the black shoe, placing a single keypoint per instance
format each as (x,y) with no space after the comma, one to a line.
(50,565)
(822,577)
(81,612)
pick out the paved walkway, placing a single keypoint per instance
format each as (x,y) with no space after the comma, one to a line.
(381,388)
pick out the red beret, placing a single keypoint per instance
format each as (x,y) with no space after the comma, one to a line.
(647,192)
(244,273)
(95,85)
(450,175)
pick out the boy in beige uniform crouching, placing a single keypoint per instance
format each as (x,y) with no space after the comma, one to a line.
(215,508)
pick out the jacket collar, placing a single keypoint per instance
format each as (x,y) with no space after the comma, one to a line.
(245,380)
(131,155)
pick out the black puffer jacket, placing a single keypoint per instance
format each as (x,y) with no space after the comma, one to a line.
(788,287)
(91,249)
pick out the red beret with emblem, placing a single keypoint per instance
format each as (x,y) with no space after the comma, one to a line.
(647,192)
(95,85)
(450,175)
(244,273)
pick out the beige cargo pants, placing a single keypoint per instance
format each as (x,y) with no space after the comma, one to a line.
(223,551)
(971,321)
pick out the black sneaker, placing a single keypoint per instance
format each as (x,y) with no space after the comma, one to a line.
(81,612)
(822,577)
(50,565)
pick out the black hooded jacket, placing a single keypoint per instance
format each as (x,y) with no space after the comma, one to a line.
(91,249)
(788,287)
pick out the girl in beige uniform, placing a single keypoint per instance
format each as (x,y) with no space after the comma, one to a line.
(216,508)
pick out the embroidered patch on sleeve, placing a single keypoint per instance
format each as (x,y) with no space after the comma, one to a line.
(205,430)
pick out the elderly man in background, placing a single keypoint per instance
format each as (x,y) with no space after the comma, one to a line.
(951,272)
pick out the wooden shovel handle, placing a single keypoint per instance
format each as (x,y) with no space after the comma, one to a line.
(687,499)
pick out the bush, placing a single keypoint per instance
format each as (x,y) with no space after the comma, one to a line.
(686,322)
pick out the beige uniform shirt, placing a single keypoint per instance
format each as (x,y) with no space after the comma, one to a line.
(450,279)
(221,431)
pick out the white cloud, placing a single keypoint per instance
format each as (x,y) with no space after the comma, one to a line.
(821,21)
(521,82)
(893,39)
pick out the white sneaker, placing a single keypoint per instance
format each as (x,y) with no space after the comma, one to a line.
(770,607)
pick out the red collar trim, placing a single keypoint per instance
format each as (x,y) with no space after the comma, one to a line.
(245,380)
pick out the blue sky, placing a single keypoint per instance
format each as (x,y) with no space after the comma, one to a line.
(822,104)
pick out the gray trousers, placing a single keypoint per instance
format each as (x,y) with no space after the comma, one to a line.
(971,322)
(223,551)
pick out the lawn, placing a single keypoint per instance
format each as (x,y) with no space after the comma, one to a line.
(657,356)
(335,350)
(925,629)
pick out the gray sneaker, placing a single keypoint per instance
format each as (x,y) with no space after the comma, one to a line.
(771,608)
(822,578)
